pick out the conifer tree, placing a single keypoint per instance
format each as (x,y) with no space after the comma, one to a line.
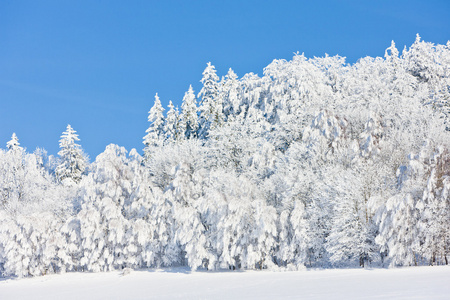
(155,131)
(171,126)
(13,144)
(211,114)
(391,55)
(189,117)
(72,160)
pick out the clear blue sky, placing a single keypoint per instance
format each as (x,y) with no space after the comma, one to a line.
(97,64)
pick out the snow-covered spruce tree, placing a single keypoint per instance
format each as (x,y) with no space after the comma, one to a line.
(353,229)
(13,144)
(155,132)
(172,122)
(211,110)
(12,173)
(189,119)
(72,160)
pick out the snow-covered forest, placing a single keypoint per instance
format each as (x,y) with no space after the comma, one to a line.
(317,163)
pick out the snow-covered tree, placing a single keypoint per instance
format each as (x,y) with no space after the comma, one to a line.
(434,210)
(32,209)
(13,144)
(430,65)
(301,198)
(352,237)
(189,118)
(413,224)
(105,232)
(244,227)
(326,134)
(155,132)
(72,160)
(172,122)
(211,110)
(29,244)
(371,137)
(190,228)
(398,230)
(231,91)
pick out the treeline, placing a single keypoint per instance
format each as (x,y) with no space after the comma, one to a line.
(317,163)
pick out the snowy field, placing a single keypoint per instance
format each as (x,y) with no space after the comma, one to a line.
(406,283)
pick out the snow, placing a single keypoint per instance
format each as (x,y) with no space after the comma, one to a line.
(181,283)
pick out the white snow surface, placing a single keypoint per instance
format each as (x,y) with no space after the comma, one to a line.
(181,283)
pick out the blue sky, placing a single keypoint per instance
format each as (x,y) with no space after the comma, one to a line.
(97,64)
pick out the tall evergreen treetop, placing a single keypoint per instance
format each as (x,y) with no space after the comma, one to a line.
(209,80)
(13,144)
(155,132)
(189,117)
(210,106)
(172,120)
(72,160)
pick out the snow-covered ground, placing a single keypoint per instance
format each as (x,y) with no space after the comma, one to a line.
(406,283)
